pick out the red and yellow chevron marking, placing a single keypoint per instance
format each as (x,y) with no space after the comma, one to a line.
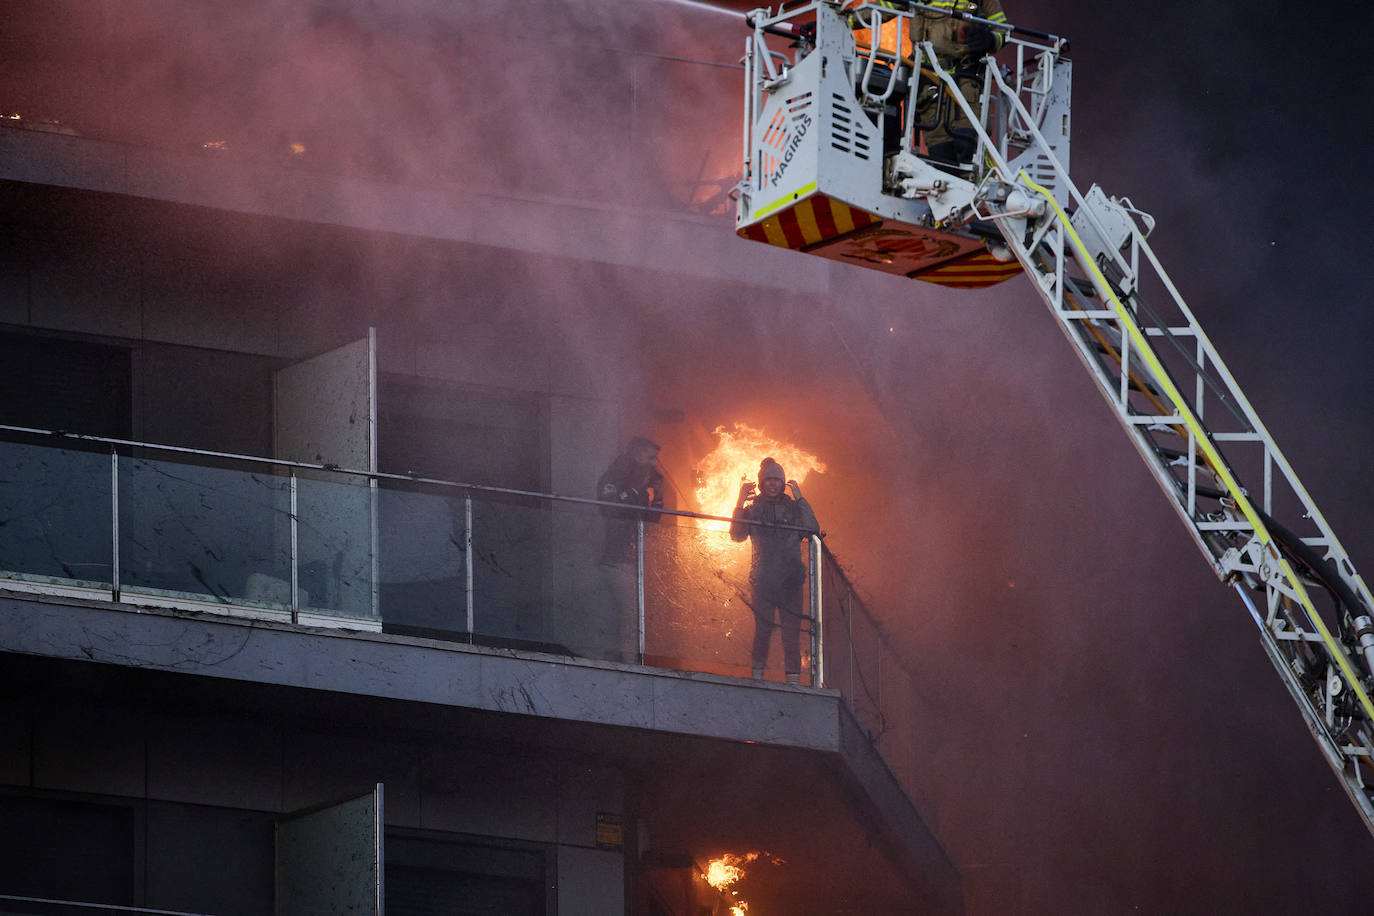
(972,271)
(817,218)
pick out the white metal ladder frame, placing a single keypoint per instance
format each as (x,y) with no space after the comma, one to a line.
(1236,537)
(1164,380)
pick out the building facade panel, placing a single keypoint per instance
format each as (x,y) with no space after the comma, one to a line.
(231,762)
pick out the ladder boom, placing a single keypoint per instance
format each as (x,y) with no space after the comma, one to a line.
(834,166)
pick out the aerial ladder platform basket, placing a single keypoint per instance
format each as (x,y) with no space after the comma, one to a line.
(835,165)
(820,131)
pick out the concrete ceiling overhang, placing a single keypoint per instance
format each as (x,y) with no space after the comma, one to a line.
(712,763)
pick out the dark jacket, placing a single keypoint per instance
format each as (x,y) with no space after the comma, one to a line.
(776,563)
(626,483)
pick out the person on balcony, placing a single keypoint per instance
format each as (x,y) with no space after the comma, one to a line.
(776,571)
(635,482)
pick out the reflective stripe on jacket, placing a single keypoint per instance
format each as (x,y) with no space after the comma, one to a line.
(936,26)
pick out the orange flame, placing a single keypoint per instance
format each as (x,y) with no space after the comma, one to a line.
(724,872)
(736,458)
(727,870)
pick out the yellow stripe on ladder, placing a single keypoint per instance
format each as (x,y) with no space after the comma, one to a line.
(1207,447)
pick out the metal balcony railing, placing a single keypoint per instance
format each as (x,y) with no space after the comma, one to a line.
(160,525)
(42,906)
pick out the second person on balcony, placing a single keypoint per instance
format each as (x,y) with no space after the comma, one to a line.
(634,482)
(775,524)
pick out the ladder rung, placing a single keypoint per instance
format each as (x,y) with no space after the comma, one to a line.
(1095,314)
(1224,526)
(1180,456)
(1298,636)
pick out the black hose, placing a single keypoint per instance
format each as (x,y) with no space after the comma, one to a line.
(1292,546)
(773,30)
(1317,567)
(1005,26)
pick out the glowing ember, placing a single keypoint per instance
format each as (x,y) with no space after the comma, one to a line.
(28,122)
(736,459)
(296,149)
(215,144)
(739,909)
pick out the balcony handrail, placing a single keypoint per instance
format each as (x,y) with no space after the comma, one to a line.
(381,475)
(82,904)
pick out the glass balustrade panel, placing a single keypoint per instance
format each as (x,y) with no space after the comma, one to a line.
(866,694)
(55,515)
(839,604)
(857,655)
(884,695)
(595,600)
(334,544)
(422,572)
(207,533)
(534,577)
(703,612)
